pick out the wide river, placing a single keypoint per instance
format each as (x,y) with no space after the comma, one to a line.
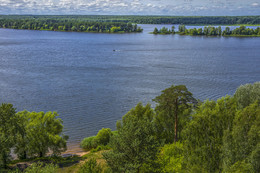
(91,86)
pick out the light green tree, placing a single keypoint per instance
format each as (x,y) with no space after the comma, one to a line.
(135,145)
(40,133)
(247,94)
(242,143)
(171,157)
(204,134)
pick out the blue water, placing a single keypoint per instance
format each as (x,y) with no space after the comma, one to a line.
(91,86)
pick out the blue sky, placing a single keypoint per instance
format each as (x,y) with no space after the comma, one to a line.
(132,7)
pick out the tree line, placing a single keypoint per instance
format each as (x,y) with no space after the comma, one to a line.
(54,24)
(199,20)
(210,31)
(183,134)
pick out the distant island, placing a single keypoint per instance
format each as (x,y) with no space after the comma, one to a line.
(67,24)
(210,31)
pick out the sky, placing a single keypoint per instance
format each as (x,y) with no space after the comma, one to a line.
(133,7)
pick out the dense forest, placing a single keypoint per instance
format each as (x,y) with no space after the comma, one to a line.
(55,24)
(210,31)
(181,134)
(195,20)
(124,24)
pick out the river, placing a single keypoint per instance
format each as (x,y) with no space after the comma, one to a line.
(93,79)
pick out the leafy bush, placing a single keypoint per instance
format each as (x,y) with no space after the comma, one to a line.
(90,166)
(103,136)
(100,147)
(41,168)
(89,143)
(102,139)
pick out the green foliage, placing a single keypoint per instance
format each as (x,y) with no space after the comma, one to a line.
(101,140)
(164,31)
(90,166)
(155,31)
(38,134)
(241,167)
(209,20)
(217,31)
(135,144)
(247,94)
(172,112)
(68,23)
(41,168)
(89,143)
(182,28)
(203,135)
(7,132)
(103,136)
(241,144)
(171,157)
(216,136)
(115,29)
(100,147)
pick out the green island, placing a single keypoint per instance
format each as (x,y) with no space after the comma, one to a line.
(68,24)
(241,31)
(181,134)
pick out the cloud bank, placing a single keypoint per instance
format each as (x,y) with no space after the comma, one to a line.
(132,7)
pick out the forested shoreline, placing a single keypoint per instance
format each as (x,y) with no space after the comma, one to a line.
(69,25)
(127,24)
(181,134)
(188,20)
(209,31)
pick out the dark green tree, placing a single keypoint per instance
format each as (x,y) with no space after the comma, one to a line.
(7,132)
(155,31)
(171,104)
(173,29)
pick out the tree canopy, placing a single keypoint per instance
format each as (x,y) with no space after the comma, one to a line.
(134,147)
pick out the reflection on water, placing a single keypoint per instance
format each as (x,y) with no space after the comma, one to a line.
(91,86)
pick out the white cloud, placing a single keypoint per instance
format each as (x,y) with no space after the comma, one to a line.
(255,4)
(152,7)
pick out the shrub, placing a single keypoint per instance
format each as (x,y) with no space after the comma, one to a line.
(89,143)
(103,136)
(101,139)
(41,168)
(100,147)
(90,166)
